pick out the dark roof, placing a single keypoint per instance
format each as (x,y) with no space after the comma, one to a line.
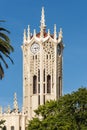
(45,35)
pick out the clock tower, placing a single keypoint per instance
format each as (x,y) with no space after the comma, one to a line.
(42,67)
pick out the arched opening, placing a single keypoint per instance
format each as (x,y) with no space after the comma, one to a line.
(12,127)
(34,84)
(4,128)
(48,84)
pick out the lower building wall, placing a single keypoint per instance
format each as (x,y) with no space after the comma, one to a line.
(14,121)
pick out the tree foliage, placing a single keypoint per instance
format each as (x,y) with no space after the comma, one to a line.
(5,49)
(68,113)
(2,123)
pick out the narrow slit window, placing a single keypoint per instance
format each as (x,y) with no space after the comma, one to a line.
(33,57)
(34,84)
(43,99)
(48,84)
(38,99)
(43,88)
(38,75)
(38,88)
(47,56)
(59,86)
(44,75)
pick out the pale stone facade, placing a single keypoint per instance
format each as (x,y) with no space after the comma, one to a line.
(14,120)
(42,73)
(42,67)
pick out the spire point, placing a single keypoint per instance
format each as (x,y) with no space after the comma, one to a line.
(25,37)
(34,32)
(15,103)
(48,32)
(42,26)
(55,33)
(43,18)
(28,33)
(60,33)
(60,36)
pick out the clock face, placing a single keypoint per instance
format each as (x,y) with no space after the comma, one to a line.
(35,47)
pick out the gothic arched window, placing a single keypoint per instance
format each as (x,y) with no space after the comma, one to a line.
(12,128)
(34,84)
(48,84)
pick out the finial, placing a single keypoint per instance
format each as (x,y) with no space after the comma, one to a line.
(43,19)
(34,32)
(60,33)
(48,32)
(15,103)
(42,26)
(25,37)
(28,33)
(55,33)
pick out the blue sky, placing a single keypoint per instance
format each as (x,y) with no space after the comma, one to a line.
(71,15)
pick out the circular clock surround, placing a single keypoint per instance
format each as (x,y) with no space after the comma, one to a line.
(35,47)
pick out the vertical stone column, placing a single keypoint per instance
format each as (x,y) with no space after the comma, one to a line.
(41,75)
(55,72)
(17,123)
(23,122)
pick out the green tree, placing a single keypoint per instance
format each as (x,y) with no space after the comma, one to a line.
(2,123)
(68,113)
(5,49)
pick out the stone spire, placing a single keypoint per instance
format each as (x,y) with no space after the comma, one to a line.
(42,26)
(34,32)
(55,33)
(60,33)
(48,32)
(28,33)
(60,36)
(25,36)
(15,103)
